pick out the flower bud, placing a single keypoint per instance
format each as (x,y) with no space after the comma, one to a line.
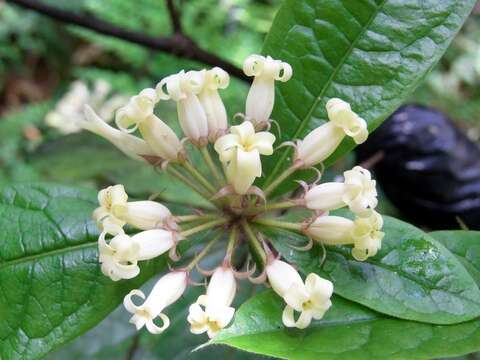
(240,152)
(331,230)
(183,88)
(325,197)
(130,145)
(320,143)
(261,95)
(166,291)
(217,312)
(143,215)
(212,104)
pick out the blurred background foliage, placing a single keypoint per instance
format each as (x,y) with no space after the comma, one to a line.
(40,58)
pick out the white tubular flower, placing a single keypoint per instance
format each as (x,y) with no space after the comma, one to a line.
(331,230)
(212,104)
(358,192)
(130,145)
(320,143)
(217,312)
(115,209)
(240,151)
(367,236)
(166,291)
(138,113)
(311,299)
(118,258)
(183,88)
(325,197)
(364,233)
(261,96)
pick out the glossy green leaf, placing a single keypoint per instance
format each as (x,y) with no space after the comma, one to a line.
(348,331)
(371,53)
(51,286)
(412,277)
(464,244)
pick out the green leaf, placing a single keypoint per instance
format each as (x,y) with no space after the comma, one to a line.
(412,277)
(371,53)
(51,286)
(465,245)
(348,331)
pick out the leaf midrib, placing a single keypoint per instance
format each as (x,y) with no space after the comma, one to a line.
(53,252)
(304,121)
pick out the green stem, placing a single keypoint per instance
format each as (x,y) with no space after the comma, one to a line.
(170,169)
(187,218)
(256,245)
(279,224)
(204,252)
(232,239)
(272,186)
(203,227)
(279,205)
(212,166)
(200,178)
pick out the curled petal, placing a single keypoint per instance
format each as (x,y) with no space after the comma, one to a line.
(260,279)
(154,329)
(306,247)
(203,271)
(129,304)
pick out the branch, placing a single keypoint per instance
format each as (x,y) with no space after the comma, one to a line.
(174,17)
(179,44)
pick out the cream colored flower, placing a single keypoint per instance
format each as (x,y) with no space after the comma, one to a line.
(130,145)
(166,291)
(212,104)
(311,299)
(138,113)
(217,312)
(367,236)
(358,192)
(240,152)
(261,96)
(183,88)
(364,233)
(320,143)
(144,215)
(120,256)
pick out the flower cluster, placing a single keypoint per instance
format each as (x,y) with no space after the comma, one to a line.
(69,110)
(134,231)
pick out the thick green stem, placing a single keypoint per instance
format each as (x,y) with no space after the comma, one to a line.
(279,205)
(200,178)
(203,227)
(232,239)
(272,186)
(187,218)
(279,224)
(256,245)
(203,253)
(213,168)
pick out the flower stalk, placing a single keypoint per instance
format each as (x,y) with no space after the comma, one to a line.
(203,227)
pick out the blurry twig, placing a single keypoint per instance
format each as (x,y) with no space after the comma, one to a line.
(178,44)
(174,17)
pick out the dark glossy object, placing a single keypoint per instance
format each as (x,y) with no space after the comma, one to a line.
(430,170)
